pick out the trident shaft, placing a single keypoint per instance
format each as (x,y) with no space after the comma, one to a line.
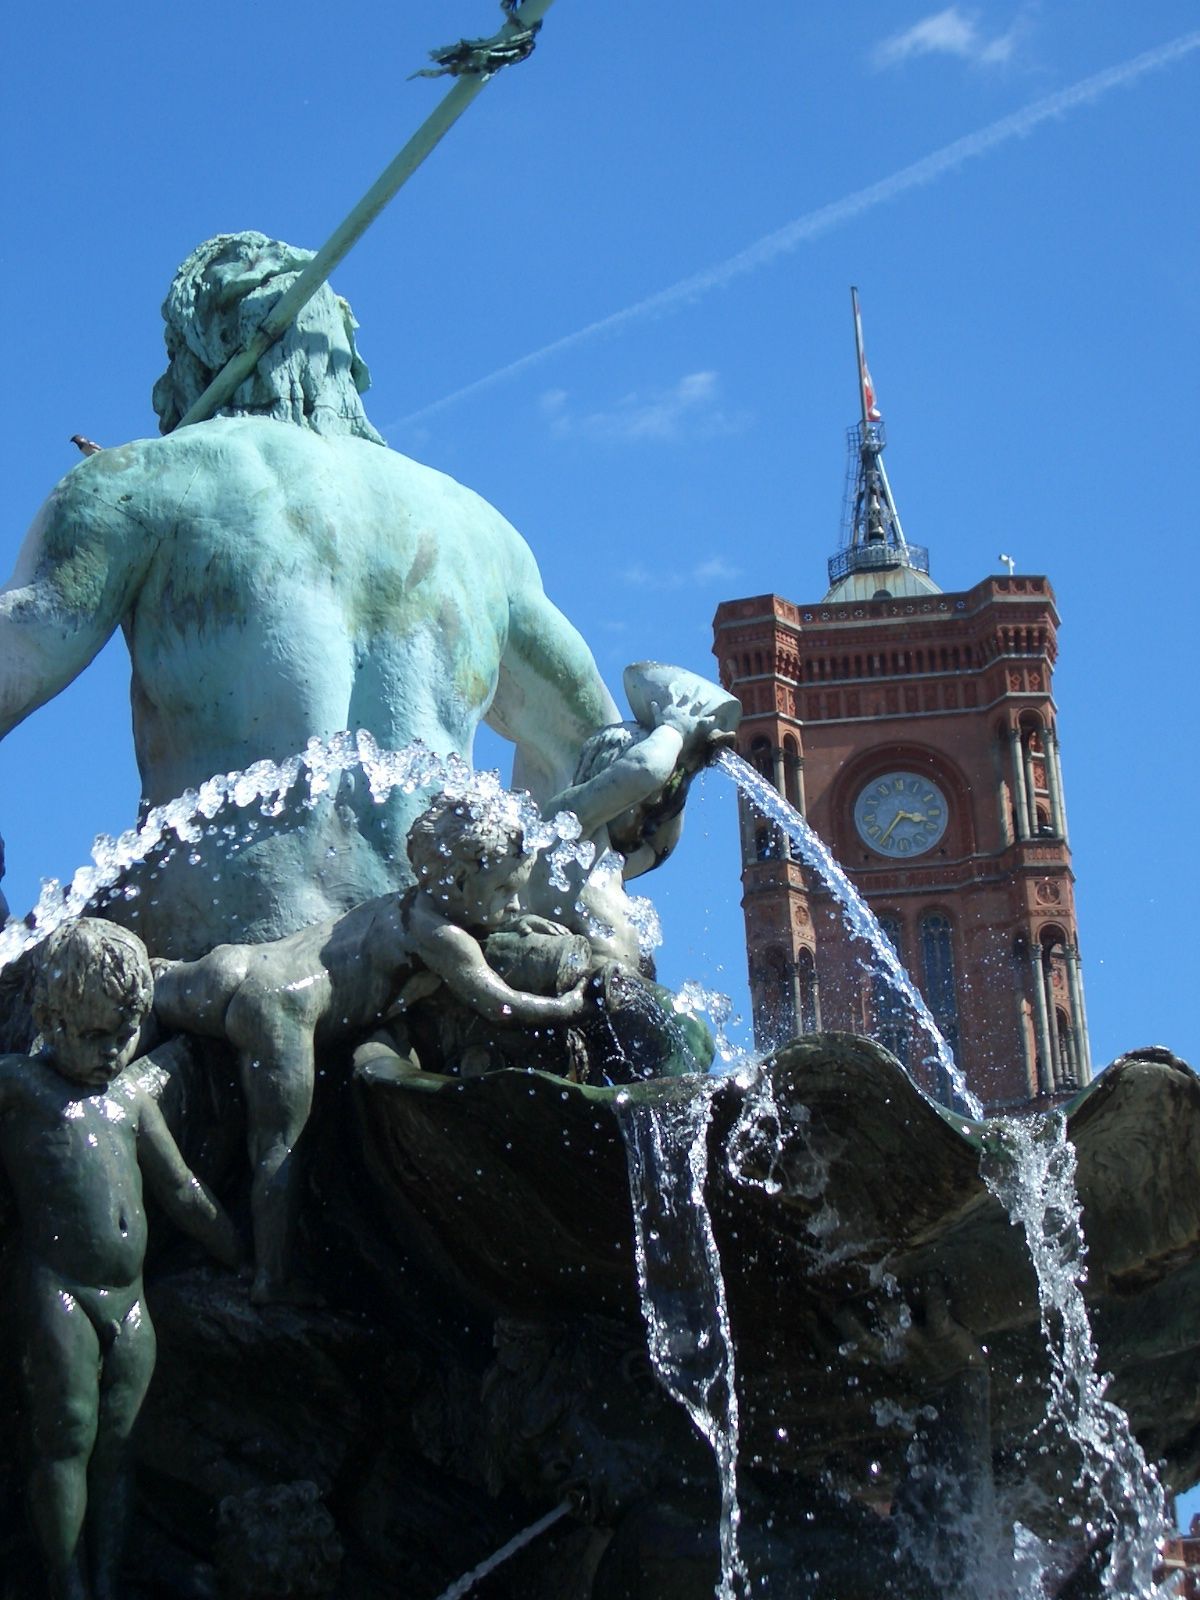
(237,369)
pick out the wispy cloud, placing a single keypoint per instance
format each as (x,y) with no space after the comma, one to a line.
(952,32)
(701,574)
(814,223)
(689,408)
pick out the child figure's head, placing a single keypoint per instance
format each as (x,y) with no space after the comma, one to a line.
(92,991)
(471,860)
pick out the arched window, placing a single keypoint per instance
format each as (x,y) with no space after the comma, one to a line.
(1064,1064)
(941,989)
(766,842)
(889,1009)
(761,758)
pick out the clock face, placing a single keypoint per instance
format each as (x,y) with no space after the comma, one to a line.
(900,814)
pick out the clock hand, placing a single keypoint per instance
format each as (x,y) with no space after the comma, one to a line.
(899,817)
(902,816)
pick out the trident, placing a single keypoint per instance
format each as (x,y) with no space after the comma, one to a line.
(472,62)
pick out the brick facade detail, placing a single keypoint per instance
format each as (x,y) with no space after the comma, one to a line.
(950,687)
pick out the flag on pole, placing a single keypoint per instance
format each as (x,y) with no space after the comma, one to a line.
(871,412)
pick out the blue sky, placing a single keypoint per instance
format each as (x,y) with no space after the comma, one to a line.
(698,189)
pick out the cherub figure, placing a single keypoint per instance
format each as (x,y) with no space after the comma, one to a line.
(278,1003)
(77,1135)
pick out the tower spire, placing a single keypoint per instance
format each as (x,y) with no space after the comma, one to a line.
(874,556)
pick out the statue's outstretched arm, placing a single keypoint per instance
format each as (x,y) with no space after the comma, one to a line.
(636,774)
(549,696)
(189,1202)
(75,578)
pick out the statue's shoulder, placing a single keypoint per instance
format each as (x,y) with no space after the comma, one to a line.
(24,1080)
(134,477)
(227,456)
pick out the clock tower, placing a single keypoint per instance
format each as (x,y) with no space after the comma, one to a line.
(917,732)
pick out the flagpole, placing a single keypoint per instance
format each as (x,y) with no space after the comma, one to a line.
(875,478)
(435,127)
(862,361)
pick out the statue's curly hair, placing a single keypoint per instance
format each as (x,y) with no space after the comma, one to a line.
(313,375)
(89,956)
(454,832)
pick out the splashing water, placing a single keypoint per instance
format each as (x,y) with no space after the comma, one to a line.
(1030,1168)
(1031,1171)
(681,1284)
(319,768)
(695,1000)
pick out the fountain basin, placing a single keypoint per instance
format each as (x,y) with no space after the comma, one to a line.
(871,1275)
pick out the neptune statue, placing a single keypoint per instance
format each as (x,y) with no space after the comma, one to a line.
(276,583)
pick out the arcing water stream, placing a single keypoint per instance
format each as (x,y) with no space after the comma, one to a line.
(859,920)
(1030,1166)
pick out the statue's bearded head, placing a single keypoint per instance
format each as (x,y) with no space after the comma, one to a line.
(220,296)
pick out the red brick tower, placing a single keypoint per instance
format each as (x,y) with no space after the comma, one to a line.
(917,733)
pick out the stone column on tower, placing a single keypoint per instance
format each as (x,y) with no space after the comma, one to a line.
(1020,787)
(1041,1020)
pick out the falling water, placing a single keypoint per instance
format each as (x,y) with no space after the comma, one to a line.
(681,1284)
(1030,1168)
(1032,1174)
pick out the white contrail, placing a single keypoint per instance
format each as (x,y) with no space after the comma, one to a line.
(785,239)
